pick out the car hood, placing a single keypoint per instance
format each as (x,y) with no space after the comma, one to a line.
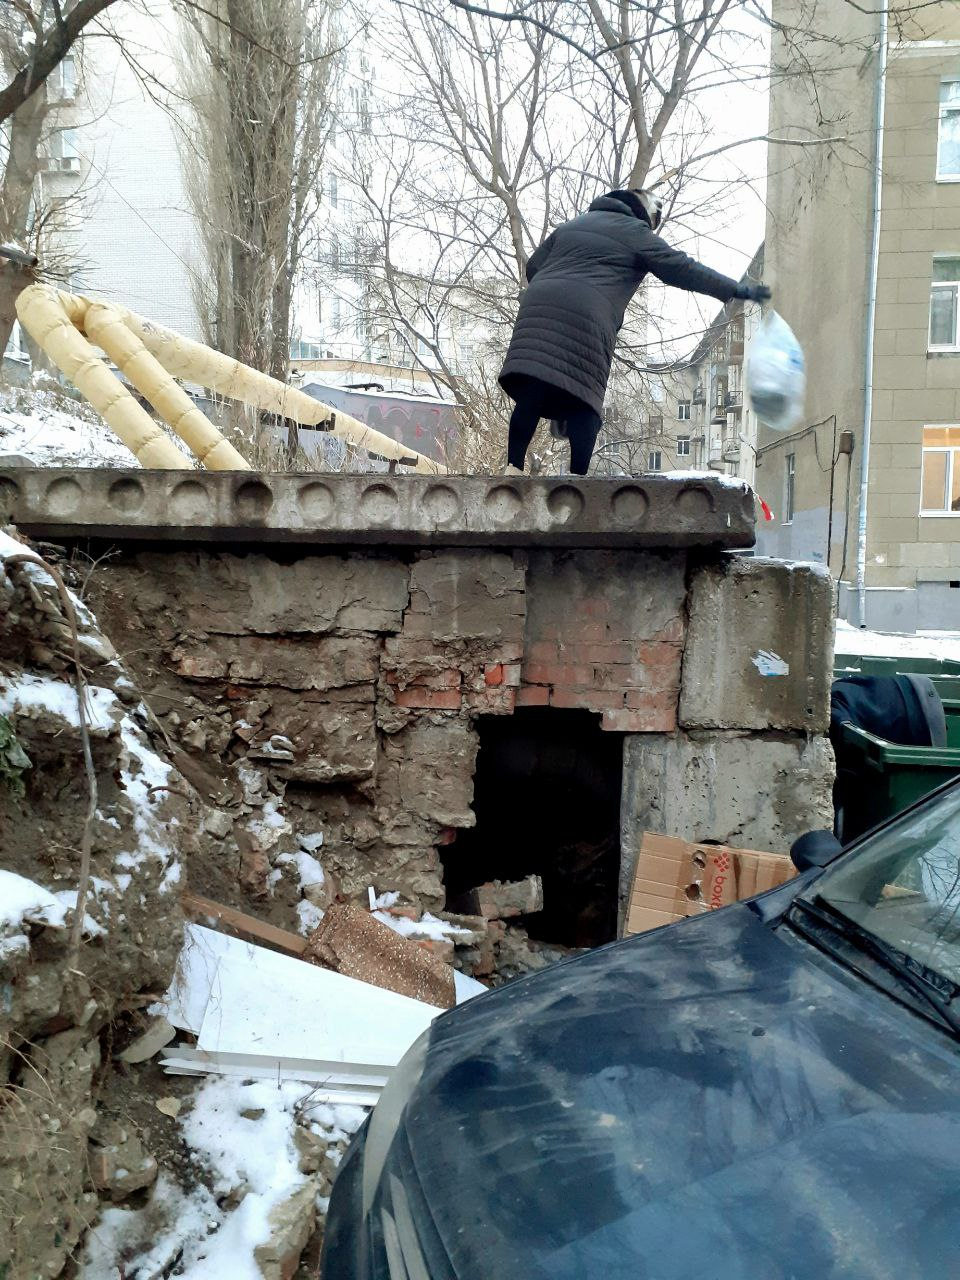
(718,1099)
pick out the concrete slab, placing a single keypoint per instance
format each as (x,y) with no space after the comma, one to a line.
(759,649)
(225,507)
(752,791)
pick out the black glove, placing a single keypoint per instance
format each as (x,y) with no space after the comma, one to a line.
(753,293)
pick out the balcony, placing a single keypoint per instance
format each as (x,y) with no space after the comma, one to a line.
(733,401)
(60,164)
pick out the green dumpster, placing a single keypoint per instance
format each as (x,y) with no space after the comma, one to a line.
(856,664)
(888,778)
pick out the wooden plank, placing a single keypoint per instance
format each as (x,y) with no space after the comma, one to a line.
(246,926)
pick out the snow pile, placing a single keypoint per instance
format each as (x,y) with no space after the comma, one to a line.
(23,902)
(880,644)
(31,696)
(49,431)
(241,1137)
(428,926)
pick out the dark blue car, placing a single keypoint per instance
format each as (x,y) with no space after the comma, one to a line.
(767,1092)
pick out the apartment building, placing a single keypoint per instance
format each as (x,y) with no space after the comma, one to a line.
(701,416)
(863,252)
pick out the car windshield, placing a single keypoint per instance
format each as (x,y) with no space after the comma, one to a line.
(903,886)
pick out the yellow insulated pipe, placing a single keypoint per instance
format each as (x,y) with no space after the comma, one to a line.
(48,317)
(152,357)
(197,363)
(107,327)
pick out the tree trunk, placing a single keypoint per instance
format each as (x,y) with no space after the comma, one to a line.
(13,279)
(16,195)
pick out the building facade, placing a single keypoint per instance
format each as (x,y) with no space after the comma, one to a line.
(866,270)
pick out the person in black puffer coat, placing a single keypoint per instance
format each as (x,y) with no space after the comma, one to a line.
(581,280)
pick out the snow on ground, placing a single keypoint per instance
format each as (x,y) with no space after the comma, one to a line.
(54,431)
(241,1138)
(883,644)
(22,901)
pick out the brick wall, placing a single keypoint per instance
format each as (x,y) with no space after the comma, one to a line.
(339,692)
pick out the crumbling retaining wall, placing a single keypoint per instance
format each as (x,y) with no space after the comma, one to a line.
(318,650)
(351,682)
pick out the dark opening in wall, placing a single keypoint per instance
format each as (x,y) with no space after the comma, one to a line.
(547,800)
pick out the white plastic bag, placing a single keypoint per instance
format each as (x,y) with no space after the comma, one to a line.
(776,375)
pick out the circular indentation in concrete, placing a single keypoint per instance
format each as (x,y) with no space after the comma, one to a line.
(565,503)
(253,500)
(63,497)
(441,504)
(316,502)
(189,500)
(126,496)
(9,493)
(378,504)
(695,500)
(503,503)
(629,504)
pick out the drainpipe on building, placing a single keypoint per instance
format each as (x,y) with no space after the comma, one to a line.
(871,325)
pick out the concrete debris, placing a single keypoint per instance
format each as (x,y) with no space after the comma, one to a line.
(291,1225)
(502,900)
(169,1107)
(311,1148)
(159,1032)
(351,942)
(119,1165)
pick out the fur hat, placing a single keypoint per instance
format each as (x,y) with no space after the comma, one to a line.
(643,204)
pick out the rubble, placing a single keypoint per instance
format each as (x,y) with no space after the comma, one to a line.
(501,900)
(290,1225)
(119,1165)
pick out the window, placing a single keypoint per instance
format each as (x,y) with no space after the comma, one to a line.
(789,486)
(62,151)
(683,410)
(683,446)
(948,144)
(940,478)
(943,304)
(62,81)
(654,461)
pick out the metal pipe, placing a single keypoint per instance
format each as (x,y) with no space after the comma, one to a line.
(874,270)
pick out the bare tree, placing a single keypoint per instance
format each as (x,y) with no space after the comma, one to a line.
(37,35)
(258,76)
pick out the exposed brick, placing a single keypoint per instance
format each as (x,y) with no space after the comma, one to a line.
(583,632)
(432,699)
(542,651)
(533,696)
(642,699)
(511,675)
(493,673)
(654,719)
(619,651)
(499,701)
(557,673)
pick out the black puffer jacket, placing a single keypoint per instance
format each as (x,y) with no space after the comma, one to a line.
(580,281)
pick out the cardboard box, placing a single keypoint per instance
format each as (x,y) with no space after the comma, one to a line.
(675,879)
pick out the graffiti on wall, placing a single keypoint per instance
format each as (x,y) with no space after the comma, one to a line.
(420,423)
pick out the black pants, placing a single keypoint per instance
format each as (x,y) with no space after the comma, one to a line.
(536,400)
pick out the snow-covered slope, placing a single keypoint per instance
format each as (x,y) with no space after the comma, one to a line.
(51,430)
